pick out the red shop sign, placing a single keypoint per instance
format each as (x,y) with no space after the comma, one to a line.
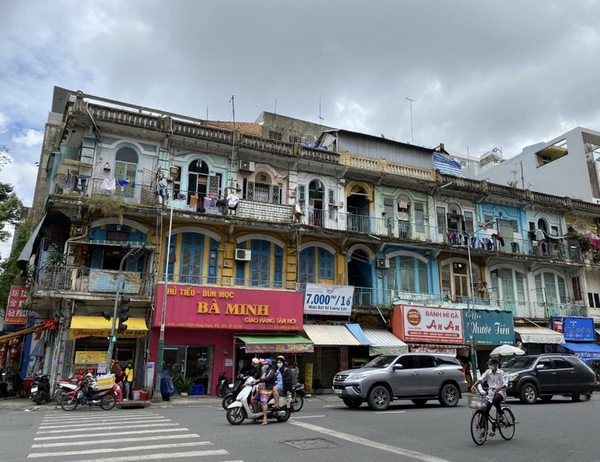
(428,325)
(14,312)
(224,308)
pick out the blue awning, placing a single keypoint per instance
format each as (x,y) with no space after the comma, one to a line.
(358,333)
(586,351)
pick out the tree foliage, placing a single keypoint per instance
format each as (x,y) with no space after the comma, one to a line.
(10,205)
(11,275)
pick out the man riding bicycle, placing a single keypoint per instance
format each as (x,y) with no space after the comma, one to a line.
(497,380)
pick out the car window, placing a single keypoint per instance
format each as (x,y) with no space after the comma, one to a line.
(560,363)
(426,361)
(408,362)
(381,361)
(446,360)
(520,363)
(546,363)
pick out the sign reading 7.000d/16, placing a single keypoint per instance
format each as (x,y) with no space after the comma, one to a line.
(328,299)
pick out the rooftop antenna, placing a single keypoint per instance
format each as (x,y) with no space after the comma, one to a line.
(321,119)
(232,163)
(275,106)
(206,112)
(410,101)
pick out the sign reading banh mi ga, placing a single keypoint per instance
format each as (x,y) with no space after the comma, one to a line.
(219,308)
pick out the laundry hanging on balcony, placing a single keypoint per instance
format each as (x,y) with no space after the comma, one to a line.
(445,165)
(108,185)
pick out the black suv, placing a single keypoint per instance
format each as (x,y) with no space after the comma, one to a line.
(545,375)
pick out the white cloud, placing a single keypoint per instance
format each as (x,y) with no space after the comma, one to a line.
(29,138)
(3,122)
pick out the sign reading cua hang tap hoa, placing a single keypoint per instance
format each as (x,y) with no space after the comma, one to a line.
(428,325)
(224,308)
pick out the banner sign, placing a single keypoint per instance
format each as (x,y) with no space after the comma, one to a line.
(280,348)
(239,309)
(428,325)
(490,327)
(14,313)
(574,329)
(91,357)
(328,299)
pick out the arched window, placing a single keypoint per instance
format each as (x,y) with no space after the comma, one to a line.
(551,289)
(408,274)
(126,162)
(312,258)
(192,267)
(455,280)
(262,189)
(266,264)
(197,182)
(508,288)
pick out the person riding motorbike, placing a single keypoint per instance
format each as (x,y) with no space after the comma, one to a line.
(265,387)
(255,371)
(283,383)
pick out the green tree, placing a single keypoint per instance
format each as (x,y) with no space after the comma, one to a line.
(10,205)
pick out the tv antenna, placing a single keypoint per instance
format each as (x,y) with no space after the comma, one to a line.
(321,119)
(410,101)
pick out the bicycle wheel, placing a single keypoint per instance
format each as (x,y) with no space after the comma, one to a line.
(507,428)
(479,426)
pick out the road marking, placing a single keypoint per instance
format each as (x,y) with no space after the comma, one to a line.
(95,424)
(121,449)
(390,412)
(162,456)
(112,427)
(115,440)
(369,443)
(81,418)
(308,416)
(115,433)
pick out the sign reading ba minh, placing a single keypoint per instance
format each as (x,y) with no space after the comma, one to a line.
(490,327)
(328,299)
(574,329)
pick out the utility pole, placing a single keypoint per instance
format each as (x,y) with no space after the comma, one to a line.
(410,101)
(522,177)
(232,166)
(321,119)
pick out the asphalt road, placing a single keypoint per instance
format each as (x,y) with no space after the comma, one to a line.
(557,431)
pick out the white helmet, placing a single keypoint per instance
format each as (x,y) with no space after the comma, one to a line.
(254,361)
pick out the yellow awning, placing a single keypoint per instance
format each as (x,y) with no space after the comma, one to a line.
(87,326)
(27,330)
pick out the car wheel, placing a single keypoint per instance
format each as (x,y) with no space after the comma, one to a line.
(419,402)
(379,398)
(529,394)
(449,395)
(352,403)
(576,397)
(546,398)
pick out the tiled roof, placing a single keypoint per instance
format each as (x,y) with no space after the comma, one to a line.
(244,127)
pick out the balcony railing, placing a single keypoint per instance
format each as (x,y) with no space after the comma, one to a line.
(92,281)
(222,281)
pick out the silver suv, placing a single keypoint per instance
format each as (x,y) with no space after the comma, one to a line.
(415,376)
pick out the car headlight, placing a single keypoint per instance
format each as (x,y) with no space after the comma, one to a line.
(359,376)
(512,377)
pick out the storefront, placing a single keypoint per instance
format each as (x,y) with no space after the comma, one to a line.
(208,330)
(537,339)
(490,329)
(580,337)
(90,348)
(429,329)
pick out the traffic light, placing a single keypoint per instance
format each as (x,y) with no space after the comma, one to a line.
(123,316)
(107,315)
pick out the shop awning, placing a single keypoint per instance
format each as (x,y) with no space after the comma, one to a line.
(323,335)
(18,333)
(27,251)
(539,335)
(88,326)
(586,351)
(384,342)
(276,344)
(357,331)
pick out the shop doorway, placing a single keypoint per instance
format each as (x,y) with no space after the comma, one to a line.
(360,276)
(358,211)
(194,362)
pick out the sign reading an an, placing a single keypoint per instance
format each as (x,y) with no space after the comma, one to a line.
(428,325)
(14,312)
(328,299)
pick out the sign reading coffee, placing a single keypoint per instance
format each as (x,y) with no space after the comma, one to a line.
(490,327)
(217,308)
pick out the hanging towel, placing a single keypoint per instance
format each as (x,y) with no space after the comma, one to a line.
(207,203)
(122,183)
(193,201)
(108,185)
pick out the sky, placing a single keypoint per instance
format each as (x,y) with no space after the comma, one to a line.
(487,74)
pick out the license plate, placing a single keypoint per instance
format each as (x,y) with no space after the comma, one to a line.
(33,389)
(337,391)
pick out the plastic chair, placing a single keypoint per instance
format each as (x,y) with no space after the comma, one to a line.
(200,388)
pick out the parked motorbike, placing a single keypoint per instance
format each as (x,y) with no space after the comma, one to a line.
(241,408)
(233,391)
(223,385)
(297,397)
(40,389)
(87,393)
(62,388)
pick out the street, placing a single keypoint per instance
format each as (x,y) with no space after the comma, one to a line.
(557,431)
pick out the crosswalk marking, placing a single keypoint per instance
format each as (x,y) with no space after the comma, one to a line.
(123,449)
(103,422)
(162,456)
(99,417)
(115,440)
(112,427)
(115,433)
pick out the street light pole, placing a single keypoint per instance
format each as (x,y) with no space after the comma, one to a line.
(470,313)
(161,340)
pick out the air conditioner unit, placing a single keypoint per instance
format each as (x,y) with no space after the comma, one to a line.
(247,166)
(243,254)
(383,263)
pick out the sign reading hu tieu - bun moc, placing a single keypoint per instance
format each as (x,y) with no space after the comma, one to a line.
(224,308)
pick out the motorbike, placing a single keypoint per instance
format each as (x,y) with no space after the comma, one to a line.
(40,389)
(62,388)
(233,391)
(87,393)
(223,385)
(297,397)
(241,408)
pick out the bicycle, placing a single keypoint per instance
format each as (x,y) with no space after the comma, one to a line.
(481,419)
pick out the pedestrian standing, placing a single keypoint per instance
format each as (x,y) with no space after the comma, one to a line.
(128,379)
(117,370)
(167,389)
